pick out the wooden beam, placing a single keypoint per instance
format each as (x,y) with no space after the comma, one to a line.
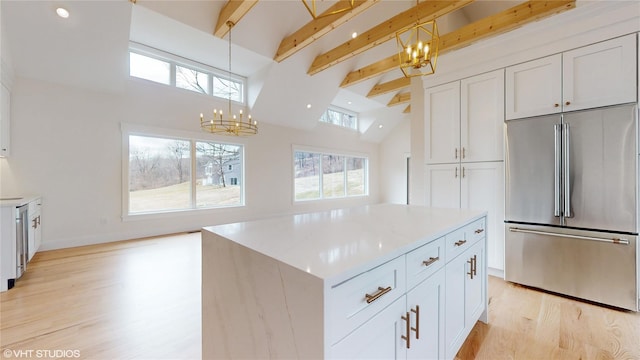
(407,109)
(504,21)
(425,11)
(390,86)
(372,70)
(316,28)
(233,11)
(400,98)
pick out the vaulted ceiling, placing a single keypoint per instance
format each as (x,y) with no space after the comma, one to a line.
(289,58)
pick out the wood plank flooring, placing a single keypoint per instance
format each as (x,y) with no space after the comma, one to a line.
(141,300)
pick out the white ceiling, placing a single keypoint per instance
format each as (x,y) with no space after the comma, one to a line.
(90,49)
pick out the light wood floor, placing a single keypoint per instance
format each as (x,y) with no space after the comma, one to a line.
(141,300)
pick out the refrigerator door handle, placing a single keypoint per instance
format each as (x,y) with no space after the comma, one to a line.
(556,170)
(566,171)
(592,238)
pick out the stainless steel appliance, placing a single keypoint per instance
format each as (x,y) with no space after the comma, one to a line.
(22,239)
(571,204)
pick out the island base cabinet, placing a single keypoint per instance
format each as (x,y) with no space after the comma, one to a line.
(465,296)
(379,338)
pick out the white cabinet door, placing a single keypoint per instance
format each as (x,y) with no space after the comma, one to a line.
(600,74)
(482,188)
(5,121)
(455,274)
(464,296)
(378,338)
(443,185)
(534,88)
(482,117)
(442,123)
(426,307)
(473,287)
(35,226)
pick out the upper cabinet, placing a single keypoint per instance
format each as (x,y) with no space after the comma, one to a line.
(442,124)
(464,120)
(5,120)
(592,76)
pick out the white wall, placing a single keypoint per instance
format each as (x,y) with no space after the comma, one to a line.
(67,147)
(394,150)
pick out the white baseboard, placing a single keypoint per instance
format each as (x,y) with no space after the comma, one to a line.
(499,273)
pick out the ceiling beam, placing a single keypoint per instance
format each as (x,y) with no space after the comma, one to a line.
(407,109)
(425,11)
(499,23)
(316,28)
(233,11)
(390,86)
(400,98)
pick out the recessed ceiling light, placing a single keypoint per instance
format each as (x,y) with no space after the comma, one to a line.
(62,12)
(380,126)
(349,102)
(354,35)
(308,106)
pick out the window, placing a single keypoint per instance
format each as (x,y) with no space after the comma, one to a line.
(328,176)
(149,68)
(164,68)
(162,176)
(191,79)
(216,185)
(340,117)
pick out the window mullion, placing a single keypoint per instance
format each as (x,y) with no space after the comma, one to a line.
(321,174)
(344,172)
(194,174)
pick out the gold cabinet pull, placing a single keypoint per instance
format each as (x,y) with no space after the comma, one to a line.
(456,153)
(431,260)
(568,103)
(459,242)
(417,328)
(479,231)
(463,172)
(463,151)
(456,174)
(556,105)
(475,265)
(473,269)
(374,297)
(407,318)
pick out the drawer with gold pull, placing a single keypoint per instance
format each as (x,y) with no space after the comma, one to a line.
(354,301)
(424,261)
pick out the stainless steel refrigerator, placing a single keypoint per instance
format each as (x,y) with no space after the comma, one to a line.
(571,204)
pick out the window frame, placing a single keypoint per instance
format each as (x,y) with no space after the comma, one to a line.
(343,112)
(322,153)
(175,60)
(128,129)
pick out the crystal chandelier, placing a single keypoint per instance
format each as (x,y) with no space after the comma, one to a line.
(231,124)
(418,48)
(314,13)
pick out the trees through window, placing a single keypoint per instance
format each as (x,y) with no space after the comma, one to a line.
(162,176)
(326,176)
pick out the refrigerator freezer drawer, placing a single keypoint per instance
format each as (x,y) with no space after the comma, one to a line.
(590,265)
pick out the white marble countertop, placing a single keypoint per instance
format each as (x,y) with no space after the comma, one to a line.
(18,200)
(339,244)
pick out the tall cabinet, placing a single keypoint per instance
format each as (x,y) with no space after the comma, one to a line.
(464,151)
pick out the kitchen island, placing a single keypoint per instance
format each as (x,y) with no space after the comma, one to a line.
(384,281)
